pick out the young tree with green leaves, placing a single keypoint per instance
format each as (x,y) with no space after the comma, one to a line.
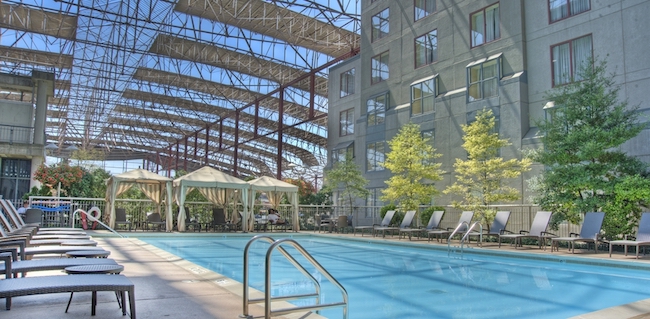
(412,161)
(481,178)
(346,178)
(584,164)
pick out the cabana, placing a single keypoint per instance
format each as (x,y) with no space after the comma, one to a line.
(274,189)
(157,188)
(216,186)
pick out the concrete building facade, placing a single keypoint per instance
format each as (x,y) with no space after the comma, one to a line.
(438,62)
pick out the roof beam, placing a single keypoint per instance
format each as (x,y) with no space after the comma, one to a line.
(22,18)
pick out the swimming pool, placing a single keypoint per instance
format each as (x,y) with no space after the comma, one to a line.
(408,281)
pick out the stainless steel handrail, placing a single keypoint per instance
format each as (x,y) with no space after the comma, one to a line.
(319,267)
(296,264)
(93,219)
(468,233)
(456,230)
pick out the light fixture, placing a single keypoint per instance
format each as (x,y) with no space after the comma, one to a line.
(51,146)
(72,148)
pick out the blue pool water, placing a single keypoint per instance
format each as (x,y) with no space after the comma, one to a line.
(403,281)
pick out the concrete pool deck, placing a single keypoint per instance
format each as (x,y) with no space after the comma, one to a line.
(167,286)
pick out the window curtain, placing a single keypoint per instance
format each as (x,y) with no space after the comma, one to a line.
(581,55)
(561,64)
(558,9)
(578,6)
(477,29)
(492,24)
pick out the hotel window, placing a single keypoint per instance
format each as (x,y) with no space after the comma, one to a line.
(568,58)
(343,150)
(424,8)
(560,9)
(426,49)
(380,25)
(375,156)
(347,83)
(483,79)
(376,109)
(374,200)
(15,177)
(422,95)
(379,68)
(346,122)
(485,25)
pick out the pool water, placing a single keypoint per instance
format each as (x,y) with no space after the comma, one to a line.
(403,281)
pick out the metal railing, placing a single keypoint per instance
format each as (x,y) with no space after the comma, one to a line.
(16,134)
(268,313)
(468,233)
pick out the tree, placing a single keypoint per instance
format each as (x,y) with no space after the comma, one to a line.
(305,189)
(412,161)
(584,164)
(481,178)
(346,178)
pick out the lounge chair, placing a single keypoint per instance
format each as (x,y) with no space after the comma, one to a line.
(384,223)
(42,250)
(642,237)
(465,218)
(17,226)
(320,223)
(589,233)
(434,223)
(43,242)
(23,266)
(406,223)
(497,228)
(537,231)
(16,287)
(47,239)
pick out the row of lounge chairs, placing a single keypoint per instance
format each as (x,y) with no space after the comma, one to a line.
(589,233)
(20,242)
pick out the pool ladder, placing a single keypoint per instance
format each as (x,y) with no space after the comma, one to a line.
(465,236)
(268,313)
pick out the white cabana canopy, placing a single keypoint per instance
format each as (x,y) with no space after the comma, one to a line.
(157,188)
(218,187)
(274,189)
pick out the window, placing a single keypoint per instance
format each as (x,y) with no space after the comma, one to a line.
(426,49)
(424,8)
(483,79)
(422,96)
(374,200)
(379,68)
(15,178)
(568,58)
(346,122)
(380,25)
(560,9)
(347,83)
(376,109)
(343,150)
(375,156)
(485,25)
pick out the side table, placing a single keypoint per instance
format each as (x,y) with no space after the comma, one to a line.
(95,269)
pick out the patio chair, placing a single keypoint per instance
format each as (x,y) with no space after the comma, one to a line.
(406,224)
(589,233)
(343,223)
(189,222)
(497,228)
(28,252)
(465,218)
(384,223)
(642,237)
(120,218)
(219,220)
(537,231)
(53,238)
(18,226)
(322,223)
(33,216)
(434,222)
(154,219)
